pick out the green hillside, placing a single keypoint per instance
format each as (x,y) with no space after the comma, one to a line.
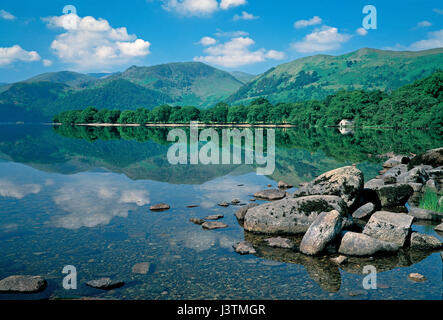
(242,76)
(318,76)
(72,79)
(188,83)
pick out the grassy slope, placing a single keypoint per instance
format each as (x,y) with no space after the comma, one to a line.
(362,69)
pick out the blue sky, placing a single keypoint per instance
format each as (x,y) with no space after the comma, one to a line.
(245,35)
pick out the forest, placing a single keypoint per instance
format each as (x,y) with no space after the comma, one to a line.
(417,105)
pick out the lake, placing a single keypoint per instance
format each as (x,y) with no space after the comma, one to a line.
(80,196)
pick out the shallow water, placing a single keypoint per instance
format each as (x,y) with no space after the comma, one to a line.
(81,197)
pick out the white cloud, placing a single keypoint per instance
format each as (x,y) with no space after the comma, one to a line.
(439,11)
(191,7)
(92,44)
(362,31)
(306,23)
(93,200)
(245,16)
(227,4)
(323,39)
(236,52)
(18,191)
(47,63)
(231,34)
(435,40)
(423,24)
(6,15)
(207,41)
(15,53)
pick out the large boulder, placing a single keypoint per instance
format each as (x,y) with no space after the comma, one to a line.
(424,242)
(395,161)
(415,175)
(358,244)
(392,195)
(240,213)
(345,182)
(23,284)
(322,231)
(291,215)
(364,211)
(270,194)
(425,214)
(389,226)
(432,158)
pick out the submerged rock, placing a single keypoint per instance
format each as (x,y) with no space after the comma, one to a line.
(160,207)
(364,211)
(389,226)
(291,215)
(141,268)
(270,194)
(346,182)
(416,277)
(240,213)
(214,217)
(212,225)
(23,284)
(197,221)
(358,244)
(279,242)
(244,247)
(323,230)
(424,242)
(284,185)
(223,204)
(105,284)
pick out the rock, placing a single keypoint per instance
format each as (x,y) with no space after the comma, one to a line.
(141,268)
(223,204)
(374,184)
(432,185)
(212,225)
(323,230)
(284,185)
(197,221)
(425,214)
(389,226)
(416,277)
(235,201)
(160,207)
(345,182)
(270,194)
(395,161)
(358,244)
(439,227)
(339,260)
(389,180)
(279,242)
(240,213)
(105,284)
(416,186)
(415,175)
(432,157)
(424,242)
(394,195)
(244,247)
(214,217)
(291,215)
(440,201)
(23,284)
(364,211)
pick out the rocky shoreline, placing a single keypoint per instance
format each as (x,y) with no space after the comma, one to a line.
(337,213)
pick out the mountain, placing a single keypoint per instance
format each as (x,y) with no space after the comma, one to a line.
(318,76)
(71,79)
(188,83)
(242,76)
(41,97)
(99,75)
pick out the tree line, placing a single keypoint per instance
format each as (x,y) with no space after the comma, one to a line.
(417,105)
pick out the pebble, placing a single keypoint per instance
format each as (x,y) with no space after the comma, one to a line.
(416,277)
